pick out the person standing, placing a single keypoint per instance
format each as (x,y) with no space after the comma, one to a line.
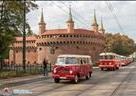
(45,70)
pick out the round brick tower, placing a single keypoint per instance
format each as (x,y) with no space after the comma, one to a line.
(51,43)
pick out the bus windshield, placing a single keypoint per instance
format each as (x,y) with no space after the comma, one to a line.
(66,60)
(107,57)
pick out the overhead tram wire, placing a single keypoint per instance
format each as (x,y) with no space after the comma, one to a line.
(110,8)
(73,11)
(67,12)
(115,17)
(79,15)
(75,16)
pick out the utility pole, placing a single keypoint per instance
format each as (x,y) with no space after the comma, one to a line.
(24,39)
(2,13)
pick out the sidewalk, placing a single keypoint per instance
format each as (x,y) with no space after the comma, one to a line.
(22,80)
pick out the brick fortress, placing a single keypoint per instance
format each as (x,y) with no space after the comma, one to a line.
(50,43)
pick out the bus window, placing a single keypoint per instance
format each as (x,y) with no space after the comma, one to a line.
(101,57)
(84,60)
(87,60)
(90,61)
(71,60)
(110,57)
(60,60)
(105,57)
(81,61)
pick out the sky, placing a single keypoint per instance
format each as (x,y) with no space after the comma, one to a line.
(118,16)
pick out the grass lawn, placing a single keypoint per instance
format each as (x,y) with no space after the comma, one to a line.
(5,74)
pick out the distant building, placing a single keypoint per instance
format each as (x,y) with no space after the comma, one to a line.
(50,43)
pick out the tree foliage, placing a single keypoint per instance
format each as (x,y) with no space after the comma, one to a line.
(11,21)
(120,44)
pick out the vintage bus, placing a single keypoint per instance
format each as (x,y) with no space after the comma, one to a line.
(109,61)
(125,60)
(72,67)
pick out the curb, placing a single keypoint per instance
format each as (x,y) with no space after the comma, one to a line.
(12,84)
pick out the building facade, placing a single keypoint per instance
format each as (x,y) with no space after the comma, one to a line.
(48,44)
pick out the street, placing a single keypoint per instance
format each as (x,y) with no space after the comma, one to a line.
(121,82)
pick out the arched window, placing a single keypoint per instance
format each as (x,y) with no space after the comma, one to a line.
(40,49)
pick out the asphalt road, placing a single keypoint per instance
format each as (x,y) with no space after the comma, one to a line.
(121,82)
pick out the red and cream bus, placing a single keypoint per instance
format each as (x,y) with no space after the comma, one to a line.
(72,67)
(124,60)
(109,61)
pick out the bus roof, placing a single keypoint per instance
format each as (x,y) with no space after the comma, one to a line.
(74,55)
(107,53)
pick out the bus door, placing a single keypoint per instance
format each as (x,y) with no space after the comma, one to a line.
(81,66)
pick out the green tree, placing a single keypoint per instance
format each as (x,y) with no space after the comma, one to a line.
(120,44)
(29,32)
(11,22)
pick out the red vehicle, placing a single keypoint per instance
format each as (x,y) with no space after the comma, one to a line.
(72,67)
(109,61)
(123,60)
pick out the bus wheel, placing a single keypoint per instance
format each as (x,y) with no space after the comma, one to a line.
(90,73)
(102,69)
(117,68)
(88,76)
(56,80)
(110,69)
(76,79)
(113,69)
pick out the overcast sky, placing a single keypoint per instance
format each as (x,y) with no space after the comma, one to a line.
(118,16)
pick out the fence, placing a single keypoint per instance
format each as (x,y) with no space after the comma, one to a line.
(35,68)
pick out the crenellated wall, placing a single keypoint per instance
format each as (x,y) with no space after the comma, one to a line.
(51,44)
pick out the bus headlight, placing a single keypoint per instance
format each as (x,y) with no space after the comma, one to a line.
(70,71)
(110,63)
(54,71)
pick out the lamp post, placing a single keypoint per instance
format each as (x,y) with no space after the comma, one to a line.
(24,38)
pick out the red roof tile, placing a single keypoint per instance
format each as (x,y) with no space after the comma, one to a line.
(28,38)
(64,31)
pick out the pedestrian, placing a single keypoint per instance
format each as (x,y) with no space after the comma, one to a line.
(45,70)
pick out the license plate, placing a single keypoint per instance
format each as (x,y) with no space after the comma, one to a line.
(64,71)
(62,77)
